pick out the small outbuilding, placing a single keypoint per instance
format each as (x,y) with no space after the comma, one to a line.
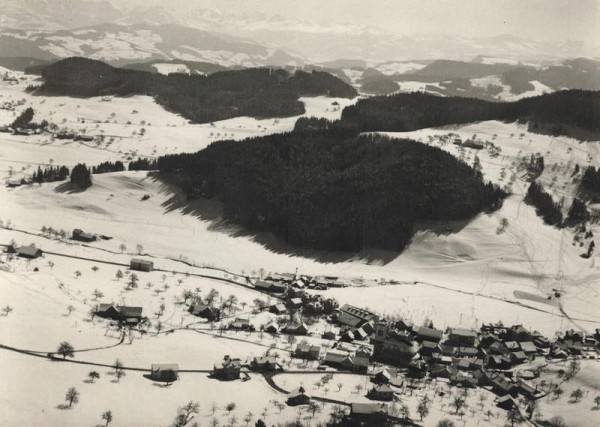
(141,264)
(80,235)
(167,373)
(298,397)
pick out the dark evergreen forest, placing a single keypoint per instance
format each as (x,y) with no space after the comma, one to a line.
(411,111)
(257,92)
(332,189)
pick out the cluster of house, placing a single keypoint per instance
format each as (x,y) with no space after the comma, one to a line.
(278,283)
(76,137)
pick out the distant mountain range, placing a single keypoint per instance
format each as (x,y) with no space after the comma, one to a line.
(34,33)
(119,45)
(271,35)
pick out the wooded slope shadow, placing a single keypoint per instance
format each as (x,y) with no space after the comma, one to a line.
(211,211)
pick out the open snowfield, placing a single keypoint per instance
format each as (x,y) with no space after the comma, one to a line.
(124,128)
(506,94)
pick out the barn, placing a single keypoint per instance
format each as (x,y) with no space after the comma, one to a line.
(30,252)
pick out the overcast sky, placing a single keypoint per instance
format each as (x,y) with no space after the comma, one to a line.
(544,20)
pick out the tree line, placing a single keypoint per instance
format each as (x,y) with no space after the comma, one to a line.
(106,167)
(544,204)
(411,111)
(332,189)
(24,121)
(590,182)
(551,211)
(258,92)
(50,174)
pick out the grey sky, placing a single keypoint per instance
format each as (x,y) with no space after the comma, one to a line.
(544,20)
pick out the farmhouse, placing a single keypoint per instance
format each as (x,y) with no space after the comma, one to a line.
(295,303)
(381,392)
(164,372)
(84,137)
(306,351)
(241,323)
(265,364)
(29,252)
(298,397)
(205,311)
(277,309)
(369,413)
(462,337)
(227,370)
(80,235)
(296,328)
(125,314)
(427,334)
(263,285)
(141,264)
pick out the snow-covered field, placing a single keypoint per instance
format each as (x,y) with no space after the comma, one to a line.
(506,94)
(476,273)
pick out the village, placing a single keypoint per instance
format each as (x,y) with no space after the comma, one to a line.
(309,335)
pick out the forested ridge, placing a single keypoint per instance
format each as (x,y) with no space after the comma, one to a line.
(257,92)
(332,189)
(412,111)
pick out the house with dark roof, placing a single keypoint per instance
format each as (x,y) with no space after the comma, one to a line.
(369,413)
(428,348)
(306,351)
(357,364)
(296,328)
(286,278)
(354,317)
(265,364)
(205,311)
(499,362)
(272,329)
(241,324)
(80,235)
(381,392)
(227,370)
(529,391)
(383,376)
(506,402)
(518,357)
(427,334)
(278,308)
(462,337)
(29,252)
(268,286)
(502,386)
(141,265)
(294,303)
(335,358)
(298,397)
(167,373)
(347,336)
(466,352)
(123,313)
